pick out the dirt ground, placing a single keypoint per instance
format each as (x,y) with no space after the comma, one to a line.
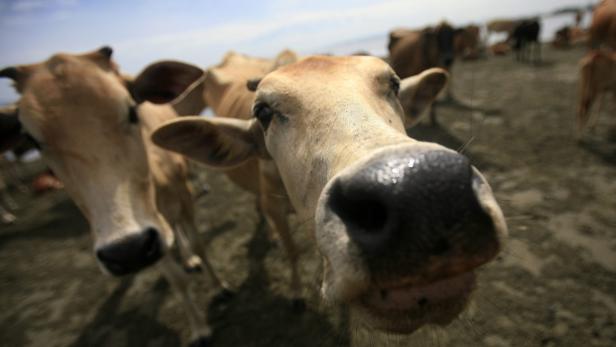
(554,285)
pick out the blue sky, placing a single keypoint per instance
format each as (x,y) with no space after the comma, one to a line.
(200,32)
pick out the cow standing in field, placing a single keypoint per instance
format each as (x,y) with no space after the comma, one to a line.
(525,40)
(401,224)
(603,27)
(466,42)
(93,128)
(597,77)
(413,51)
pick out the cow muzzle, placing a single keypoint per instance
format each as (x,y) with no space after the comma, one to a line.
(402,233)
(131,253)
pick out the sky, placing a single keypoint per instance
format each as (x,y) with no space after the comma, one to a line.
(200,32)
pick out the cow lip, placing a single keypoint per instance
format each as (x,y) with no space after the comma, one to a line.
(403,309)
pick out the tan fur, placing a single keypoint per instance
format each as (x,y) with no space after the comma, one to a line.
(603,26)
(597,77)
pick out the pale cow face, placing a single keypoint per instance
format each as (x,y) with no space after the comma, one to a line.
(92,135)
(401,224)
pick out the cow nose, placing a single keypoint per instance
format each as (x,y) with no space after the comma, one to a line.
(413,203)
(131,253)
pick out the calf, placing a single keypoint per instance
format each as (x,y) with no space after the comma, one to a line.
(93,128)
(401,224)
(597,76)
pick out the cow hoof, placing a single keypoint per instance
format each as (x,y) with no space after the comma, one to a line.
(203,341)
(298,305)
(193,265)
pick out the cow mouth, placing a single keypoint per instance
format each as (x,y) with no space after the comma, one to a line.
(404,309)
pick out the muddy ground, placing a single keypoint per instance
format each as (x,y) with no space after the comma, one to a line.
(554,285)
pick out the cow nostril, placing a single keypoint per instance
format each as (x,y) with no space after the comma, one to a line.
(359,211)
(441,247)
(151,245)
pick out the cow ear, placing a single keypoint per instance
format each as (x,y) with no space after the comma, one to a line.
(216,142)
(19,75)
(11,133)
(418,92)
(164,81)
(286,57)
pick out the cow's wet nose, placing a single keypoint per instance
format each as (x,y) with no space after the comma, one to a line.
(414,203)
(131,253)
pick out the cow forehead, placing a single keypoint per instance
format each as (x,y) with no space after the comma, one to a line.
(322,73)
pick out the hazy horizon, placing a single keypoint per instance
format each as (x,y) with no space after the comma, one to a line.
(143,31)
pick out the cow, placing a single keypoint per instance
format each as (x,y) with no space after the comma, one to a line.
(401,224)
(224,89)
(525,40)
(413,51)
(603,26)
(466,42)
(567,36)
(597,76)
(501,26)
(93,128)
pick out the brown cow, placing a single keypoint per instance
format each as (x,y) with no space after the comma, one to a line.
(413,51)
(401,224)
(93,128)
(603,27)
(597,76)
(466,42)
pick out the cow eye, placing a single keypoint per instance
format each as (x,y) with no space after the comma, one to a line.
(264,113)
(133,117)
(394,84)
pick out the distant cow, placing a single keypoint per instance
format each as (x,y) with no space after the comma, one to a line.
(505,26)
(466,42)
(597,76)
(413,51)
(603,26)
(568,36)
(525,39)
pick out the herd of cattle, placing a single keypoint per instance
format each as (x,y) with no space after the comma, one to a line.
(401,224)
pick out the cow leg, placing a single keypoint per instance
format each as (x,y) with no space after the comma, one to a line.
(583,114)
(200,330)
(276,218)
(197,243)
(275,207)
(594,117)
(191,261)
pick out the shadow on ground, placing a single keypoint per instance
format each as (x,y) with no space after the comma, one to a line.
(259,318)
